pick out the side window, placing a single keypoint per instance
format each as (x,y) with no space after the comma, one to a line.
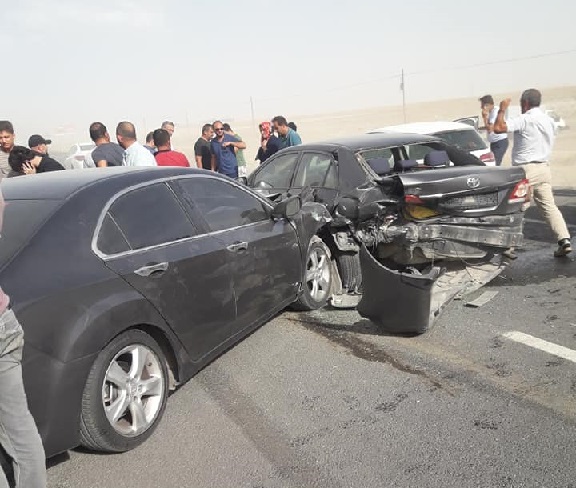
(222,205)
(110,239)
(278,172)
(316,170)
(150,216)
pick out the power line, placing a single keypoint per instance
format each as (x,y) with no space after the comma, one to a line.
(491,63)
(414,73)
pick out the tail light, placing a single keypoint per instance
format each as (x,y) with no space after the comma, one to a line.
(80,157)
(488,157)
(521,192)
(413,200)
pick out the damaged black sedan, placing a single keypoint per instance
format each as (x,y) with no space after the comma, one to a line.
(414,220)
(127,281)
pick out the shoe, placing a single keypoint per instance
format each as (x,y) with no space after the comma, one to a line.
(509,253)
(564,248)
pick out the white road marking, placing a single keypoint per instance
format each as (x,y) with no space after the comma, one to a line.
(549,347)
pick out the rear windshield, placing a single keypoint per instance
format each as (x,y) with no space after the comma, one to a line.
(467,140)
(22,218)
(87,147)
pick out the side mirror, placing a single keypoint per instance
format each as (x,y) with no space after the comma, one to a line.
(288,208)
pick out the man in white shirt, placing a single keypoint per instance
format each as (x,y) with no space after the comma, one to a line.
(135,154)
(533,141)
(498,142)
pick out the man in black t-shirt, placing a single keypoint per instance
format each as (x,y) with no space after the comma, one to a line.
(106,153)
(24,161)
(202,150)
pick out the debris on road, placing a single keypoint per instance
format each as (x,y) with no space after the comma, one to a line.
(482,299)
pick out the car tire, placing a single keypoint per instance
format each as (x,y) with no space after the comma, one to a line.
(317,280)
(125,393)
(350,271)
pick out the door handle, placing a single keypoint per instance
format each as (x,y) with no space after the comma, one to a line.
(150,269)
(238,246)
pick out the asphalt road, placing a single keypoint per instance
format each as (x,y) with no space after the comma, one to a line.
(325,399)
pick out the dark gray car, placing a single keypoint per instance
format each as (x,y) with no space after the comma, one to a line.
(128,281)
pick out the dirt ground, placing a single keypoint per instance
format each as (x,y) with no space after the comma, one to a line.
(325,126)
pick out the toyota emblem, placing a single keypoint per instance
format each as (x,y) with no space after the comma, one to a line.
(473,182)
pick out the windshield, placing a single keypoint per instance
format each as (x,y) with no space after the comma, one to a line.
(22,218)
(467,140)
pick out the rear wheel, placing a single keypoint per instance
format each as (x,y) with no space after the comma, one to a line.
(125,394)
(317,282)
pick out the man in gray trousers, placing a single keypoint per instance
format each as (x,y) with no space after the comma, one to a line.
(18,433)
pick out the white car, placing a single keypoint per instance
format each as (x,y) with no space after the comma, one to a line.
(79,156)
(559,122)
(458,134)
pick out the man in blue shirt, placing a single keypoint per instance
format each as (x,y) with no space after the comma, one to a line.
(287,136)
(223,151)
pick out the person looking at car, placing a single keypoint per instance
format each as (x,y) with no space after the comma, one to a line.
(106,153)
(18,432)
(269,143)
(39,144)
(165,156)
(170,127)
(202,151)
(25,161)
(498,142)
(223,148)
(242,169)
(7,138)
(288,137)
(533,141)
(149,144)
(135,154)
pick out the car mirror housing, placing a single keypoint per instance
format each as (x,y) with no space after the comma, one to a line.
(288,208)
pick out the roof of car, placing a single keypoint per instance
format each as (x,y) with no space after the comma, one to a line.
(58,185)
(424,127)
(369,141)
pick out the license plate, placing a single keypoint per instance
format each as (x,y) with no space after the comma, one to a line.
(473,201)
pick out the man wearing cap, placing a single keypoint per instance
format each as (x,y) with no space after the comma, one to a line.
(39,144)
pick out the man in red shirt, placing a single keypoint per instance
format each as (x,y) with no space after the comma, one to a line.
(165,156)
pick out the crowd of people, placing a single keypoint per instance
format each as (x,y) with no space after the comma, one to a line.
(218,148)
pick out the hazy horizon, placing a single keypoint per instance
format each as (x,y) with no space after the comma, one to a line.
(74,61)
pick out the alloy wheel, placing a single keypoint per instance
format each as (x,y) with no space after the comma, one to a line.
(318,274)
(133,390)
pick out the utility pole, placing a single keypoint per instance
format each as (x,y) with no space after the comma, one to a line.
(252,113)
(403,88)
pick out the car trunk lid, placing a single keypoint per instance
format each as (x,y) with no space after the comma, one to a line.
(463,190)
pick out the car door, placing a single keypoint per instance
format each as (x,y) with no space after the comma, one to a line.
(276,174)
(266,260)
(318,170)
(147,238)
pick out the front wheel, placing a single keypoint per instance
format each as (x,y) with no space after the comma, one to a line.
(125,394)
(317,281)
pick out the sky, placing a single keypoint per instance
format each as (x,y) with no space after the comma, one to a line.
(71,62)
